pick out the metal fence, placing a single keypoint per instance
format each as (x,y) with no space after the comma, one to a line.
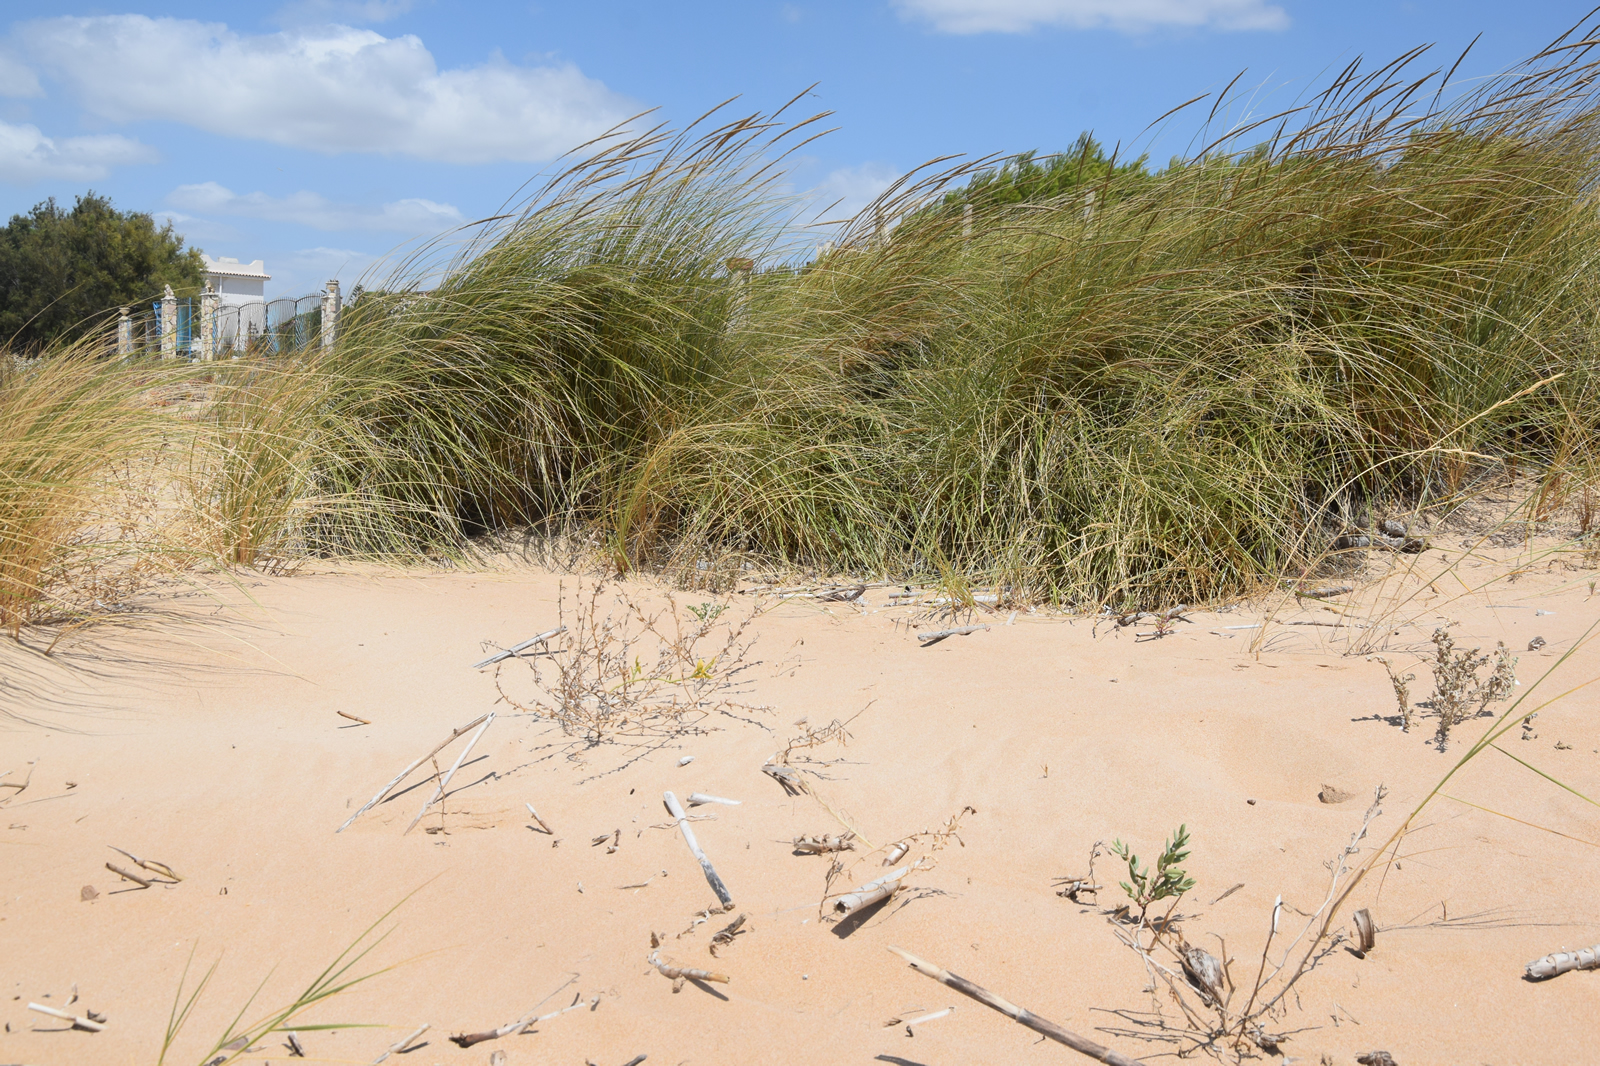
(202,328)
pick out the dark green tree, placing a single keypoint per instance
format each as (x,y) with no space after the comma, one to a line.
(1028,178)
(61,271)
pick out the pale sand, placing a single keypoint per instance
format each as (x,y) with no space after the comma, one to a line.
(215,747)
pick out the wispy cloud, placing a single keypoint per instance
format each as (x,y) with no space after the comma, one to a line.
(845,191)
(330,89)
(16,77)
(411,216)
(28,156)
(1021,16)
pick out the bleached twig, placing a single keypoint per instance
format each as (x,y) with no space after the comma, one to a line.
(676,809)
(149,864)
(517,649)
(395,1049)
(142,882)
(1016,1013)
(522,1024)
(930,639)
(438,791)
(77,1023)
(536,818)
(1560,962)
(697,798)
(870,893)
(680,974)
(403,774)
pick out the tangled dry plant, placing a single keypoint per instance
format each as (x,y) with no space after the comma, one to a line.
(620,671)
(1201,985)
(1456,686)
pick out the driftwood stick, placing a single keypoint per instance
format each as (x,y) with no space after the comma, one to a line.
(697,798)
(149,864)
(536,818)
(1558,963)
(1016,1013)
(1323,594)
(524,646)
(77,1022)
(717,886)
(395,1049)
(522,1024)
(142,882)
(818,844)
(870,893)
(930,639)
(438,791)
(680,974)
(352,717)
(403,774)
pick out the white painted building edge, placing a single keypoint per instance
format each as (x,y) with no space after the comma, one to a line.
(226,266)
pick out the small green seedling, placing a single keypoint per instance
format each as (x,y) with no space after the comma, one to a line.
(708,612)
(1167,881)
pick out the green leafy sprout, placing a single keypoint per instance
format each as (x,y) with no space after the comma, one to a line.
(1167,881)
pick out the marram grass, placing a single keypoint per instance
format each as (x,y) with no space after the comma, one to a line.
(1171,392)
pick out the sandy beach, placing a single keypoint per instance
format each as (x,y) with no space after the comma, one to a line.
(207,738)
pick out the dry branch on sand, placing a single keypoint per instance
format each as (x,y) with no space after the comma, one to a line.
(621,671)
(1560,962)
(403,774)
(444,783)
(870,893)
(694,846)
(930,639)
(160,869)
(680,974)
(89,1024)
(519,648)
(399,1046)
(1015,1013)
(523,1024)
(818,844)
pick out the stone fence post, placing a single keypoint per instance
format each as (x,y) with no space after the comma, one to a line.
(124,332)
(331,307)
(169,324)
(210,299)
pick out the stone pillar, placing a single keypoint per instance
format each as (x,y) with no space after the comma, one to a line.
(124,332)
(330,313)
(169,324)
(210,300)
(739,270)
(1088,207)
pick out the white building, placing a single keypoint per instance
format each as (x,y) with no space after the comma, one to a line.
(241,289)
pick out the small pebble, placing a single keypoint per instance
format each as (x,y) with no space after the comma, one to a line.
(1251,802)
(686,760)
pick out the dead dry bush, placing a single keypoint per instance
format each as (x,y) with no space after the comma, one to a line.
(621,671)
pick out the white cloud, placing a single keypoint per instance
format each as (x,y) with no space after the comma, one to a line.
(413,216)
(849,189)
(27,155)
(1020,16)
(307,270)
(333,89)
(16,79)
(304,12)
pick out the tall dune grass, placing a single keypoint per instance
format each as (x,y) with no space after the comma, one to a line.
(1186,387)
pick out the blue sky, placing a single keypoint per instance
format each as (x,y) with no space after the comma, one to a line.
(319,135)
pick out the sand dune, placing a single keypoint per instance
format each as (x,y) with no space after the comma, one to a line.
(209,739)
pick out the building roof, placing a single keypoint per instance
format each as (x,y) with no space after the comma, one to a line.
(227,267)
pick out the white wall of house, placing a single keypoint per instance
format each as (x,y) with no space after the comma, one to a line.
(241,288)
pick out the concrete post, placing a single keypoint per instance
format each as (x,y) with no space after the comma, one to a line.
(739,270)
(169,324)
(1088,207)
(210,300)
(124,332)
(331,307)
